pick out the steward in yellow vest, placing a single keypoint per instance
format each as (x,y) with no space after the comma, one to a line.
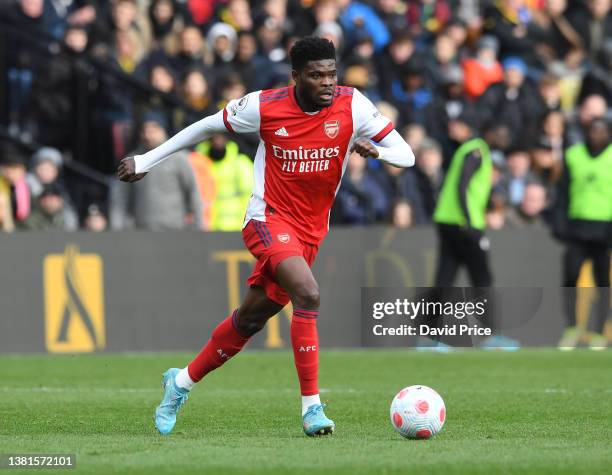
(584,222)
(460,215)
(225,180)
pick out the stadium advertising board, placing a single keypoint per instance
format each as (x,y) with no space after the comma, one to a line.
(71,293)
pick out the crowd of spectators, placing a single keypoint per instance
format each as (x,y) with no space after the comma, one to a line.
(526,74)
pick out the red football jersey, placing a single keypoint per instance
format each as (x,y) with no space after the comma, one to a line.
(302,156)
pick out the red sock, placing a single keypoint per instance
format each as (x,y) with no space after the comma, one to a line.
(305,342)
(224,343)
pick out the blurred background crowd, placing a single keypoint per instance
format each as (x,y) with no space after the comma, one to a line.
(84,83)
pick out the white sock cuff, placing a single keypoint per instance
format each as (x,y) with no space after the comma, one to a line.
(183,380)
(308,401)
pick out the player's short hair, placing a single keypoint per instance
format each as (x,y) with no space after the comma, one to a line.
(311,48)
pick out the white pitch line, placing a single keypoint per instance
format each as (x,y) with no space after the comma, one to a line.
(51,389)
(209,390)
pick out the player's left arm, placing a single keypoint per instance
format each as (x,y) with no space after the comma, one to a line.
(377,137)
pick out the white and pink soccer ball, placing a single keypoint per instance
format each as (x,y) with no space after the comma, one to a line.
(418,412)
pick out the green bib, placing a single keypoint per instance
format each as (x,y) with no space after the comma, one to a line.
(448,210)
(590,186)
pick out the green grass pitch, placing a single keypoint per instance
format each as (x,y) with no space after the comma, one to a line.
(530,412)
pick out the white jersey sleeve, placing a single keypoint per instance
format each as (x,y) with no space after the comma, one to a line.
(368,122)
(394,150)
(197,132)
(242,115)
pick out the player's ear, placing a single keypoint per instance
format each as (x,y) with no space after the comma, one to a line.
(295,75)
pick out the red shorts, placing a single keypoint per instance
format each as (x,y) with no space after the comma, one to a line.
(272,242)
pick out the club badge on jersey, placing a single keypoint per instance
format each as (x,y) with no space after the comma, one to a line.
(332,128)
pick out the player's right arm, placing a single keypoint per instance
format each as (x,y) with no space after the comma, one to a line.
(240,115)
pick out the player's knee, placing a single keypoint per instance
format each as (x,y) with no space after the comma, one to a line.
(252,327)
(306,297)
(249,323)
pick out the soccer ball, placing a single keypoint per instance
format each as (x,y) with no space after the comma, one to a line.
(418,412)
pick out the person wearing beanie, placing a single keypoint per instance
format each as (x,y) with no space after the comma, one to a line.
(483,69)
(46,168)
(46,164)
(223,40)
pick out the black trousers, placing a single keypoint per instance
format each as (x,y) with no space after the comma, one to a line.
(576,253)
(459,247)
(462,247)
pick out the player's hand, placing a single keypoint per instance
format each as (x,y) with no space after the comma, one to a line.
(126,171)
(365,148)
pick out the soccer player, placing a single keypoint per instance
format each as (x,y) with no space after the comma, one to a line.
(307,132)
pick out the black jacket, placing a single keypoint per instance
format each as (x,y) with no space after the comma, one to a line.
(518,113)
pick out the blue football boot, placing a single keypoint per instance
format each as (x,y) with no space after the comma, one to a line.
(316,423)
(174,398)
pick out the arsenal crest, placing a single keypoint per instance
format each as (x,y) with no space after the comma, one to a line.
(283,237)
(332,128)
